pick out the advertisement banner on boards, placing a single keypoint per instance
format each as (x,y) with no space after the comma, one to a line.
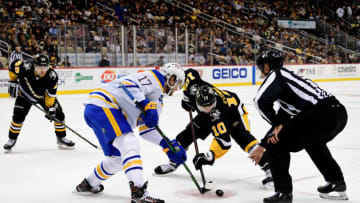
(90,78)
(222,75)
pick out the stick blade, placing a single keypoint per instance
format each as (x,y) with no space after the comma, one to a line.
(204,190)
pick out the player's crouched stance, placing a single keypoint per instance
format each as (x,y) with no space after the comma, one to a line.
(35,83)
(220,113)
(113,115)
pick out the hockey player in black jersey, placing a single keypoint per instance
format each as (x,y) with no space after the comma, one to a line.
(308,118)
(220,113)
(31,83)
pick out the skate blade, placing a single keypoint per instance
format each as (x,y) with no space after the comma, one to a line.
(163,175)
(83,193)
(204,190)
(269,186)
(339,196)
(65,147)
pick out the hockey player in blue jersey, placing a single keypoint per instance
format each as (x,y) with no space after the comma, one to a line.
(113,115)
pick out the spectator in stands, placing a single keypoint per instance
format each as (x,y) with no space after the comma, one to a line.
(16,54)
(160,61)
(66,62)
(90,47)
(104,61)
(340,12)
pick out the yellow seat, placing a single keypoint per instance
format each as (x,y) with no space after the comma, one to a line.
(104,49)
(62,49)
(79,49)
(70,50)
(4,61)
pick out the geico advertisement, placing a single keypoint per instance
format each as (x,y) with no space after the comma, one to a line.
(228,74)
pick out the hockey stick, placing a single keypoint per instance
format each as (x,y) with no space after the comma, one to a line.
(197,152)
(163,136)
(66,126)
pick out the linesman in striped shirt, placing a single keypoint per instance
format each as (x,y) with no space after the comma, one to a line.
(16,54)
(308,118)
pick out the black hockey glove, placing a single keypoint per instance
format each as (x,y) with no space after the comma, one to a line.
(201,159)
(13,89)
(51,114)
(187,106)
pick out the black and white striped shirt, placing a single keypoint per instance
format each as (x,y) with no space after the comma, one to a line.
(293,93)
(14,56)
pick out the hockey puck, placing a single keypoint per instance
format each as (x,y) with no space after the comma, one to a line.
(219,192)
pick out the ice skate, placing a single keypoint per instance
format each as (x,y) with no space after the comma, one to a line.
(333,190)
(9,145)
(279,198)
(141,195)
(268,181)
(85,187)
(165,169)
(64,143)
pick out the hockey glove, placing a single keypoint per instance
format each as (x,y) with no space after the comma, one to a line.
(201,159)
(151,117)
(13,89)
(179,156)
(187,105)
(51,114)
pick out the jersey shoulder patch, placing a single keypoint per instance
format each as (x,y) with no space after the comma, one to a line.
(53,75)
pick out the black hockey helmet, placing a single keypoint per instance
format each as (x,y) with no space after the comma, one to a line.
(205,96)
(42,60)
(273,58)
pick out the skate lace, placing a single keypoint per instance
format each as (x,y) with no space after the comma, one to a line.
(147,196)
(167,167)
(64,140)
(268,173)
(96,188)
(10,142)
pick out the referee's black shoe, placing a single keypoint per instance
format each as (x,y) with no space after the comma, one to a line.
(279,198)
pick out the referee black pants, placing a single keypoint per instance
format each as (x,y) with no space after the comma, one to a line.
(309,130)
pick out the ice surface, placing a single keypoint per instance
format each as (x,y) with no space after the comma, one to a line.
(37,172)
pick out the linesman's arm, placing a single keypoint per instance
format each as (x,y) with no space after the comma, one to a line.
(14,70)
(50,92)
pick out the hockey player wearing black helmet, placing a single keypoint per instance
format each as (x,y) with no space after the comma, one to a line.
(308,118)
(220,113)
(36,83)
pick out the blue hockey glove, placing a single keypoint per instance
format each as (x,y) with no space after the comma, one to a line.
(151,117)
(51,114)
(201,159)
(178,157)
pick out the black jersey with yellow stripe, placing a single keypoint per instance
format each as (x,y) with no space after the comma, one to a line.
(227,104)
(35,88)
(225,117)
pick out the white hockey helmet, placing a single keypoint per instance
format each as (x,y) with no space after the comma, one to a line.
(173,69)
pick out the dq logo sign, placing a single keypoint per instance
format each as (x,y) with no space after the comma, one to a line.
(229,73)
(108,76)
